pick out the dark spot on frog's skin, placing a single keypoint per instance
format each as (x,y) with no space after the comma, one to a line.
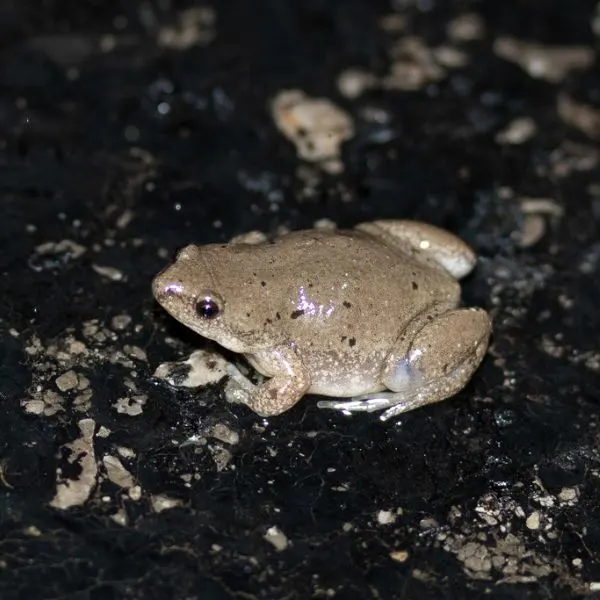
(278,316)
(415,285)
(430,317)
(310,285)
(247,314)
(347,304)
(268,321)
(343,338)
(211,364)
(296,314)
(263,283)
(352,342)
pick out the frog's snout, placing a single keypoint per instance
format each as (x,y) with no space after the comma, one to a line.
(168,284)
(165,288)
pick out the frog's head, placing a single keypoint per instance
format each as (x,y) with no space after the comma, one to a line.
(203,291)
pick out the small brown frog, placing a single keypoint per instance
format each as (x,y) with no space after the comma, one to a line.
(369,314)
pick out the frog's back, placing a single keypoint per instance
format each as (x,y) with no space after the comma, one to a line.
(356,259)
(349,279)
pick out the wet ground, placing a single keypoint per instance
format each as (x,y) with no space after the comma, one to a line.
(131,129)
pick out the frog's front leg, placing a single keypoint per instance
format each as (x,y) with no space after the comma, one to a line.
(426,242)
(289,382)
(440,360)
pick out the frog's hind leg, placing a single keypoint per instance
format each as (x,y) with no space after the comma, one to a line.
(441,359)
(425,242)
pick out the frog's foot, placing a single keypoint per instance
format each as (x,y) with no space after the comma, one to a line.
(276,395)
(238,387)
(442,357)
(366,403)
(392,403)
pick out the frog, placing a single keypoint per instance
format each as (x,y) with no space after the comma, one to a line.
(369,317)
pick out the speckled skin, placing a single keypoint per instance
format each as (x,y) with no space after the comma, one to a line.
(338,313)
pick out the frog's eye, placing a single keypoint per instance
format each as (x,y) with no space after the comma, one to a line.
(207,308)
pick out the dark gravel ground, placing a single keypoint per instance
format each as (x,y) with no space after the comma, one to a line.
(129,129)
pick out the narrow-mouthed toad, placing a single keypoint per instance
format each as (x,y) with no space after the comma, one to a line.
(369,314)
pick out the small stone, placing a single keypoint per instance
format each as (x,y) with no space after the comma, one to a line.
(67,381)
(83,382)
(201,368)
(76,347)
(160,502)
(74,492)
(103,432)
(518,131)
(120,517)
(466,28)
(125,452)
(353,82)
(117,473)
(32,531)
(221,456)
(82,402)
(135,352)
(533,520)
(34,407)
(428,523)
(277,538)
(225,434)
(399,555)
(385,517)
(133,406)
(567,494)
(111,273)
(135,493)
(316,126)
(552,63)
(120,322)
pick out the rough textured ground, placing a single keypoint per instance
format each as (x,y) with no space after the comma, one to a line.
(131,129)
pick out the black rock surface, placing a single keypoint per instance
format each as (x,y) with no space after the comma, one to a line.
(129,129)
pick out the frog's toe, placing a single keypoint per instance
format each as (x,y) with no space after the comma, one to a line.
(235,394)
(238,388)
(394,410)
(366,403)
(239,378)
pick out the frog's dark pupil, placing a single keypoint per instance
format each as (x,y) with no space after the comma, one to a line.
(207,308)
